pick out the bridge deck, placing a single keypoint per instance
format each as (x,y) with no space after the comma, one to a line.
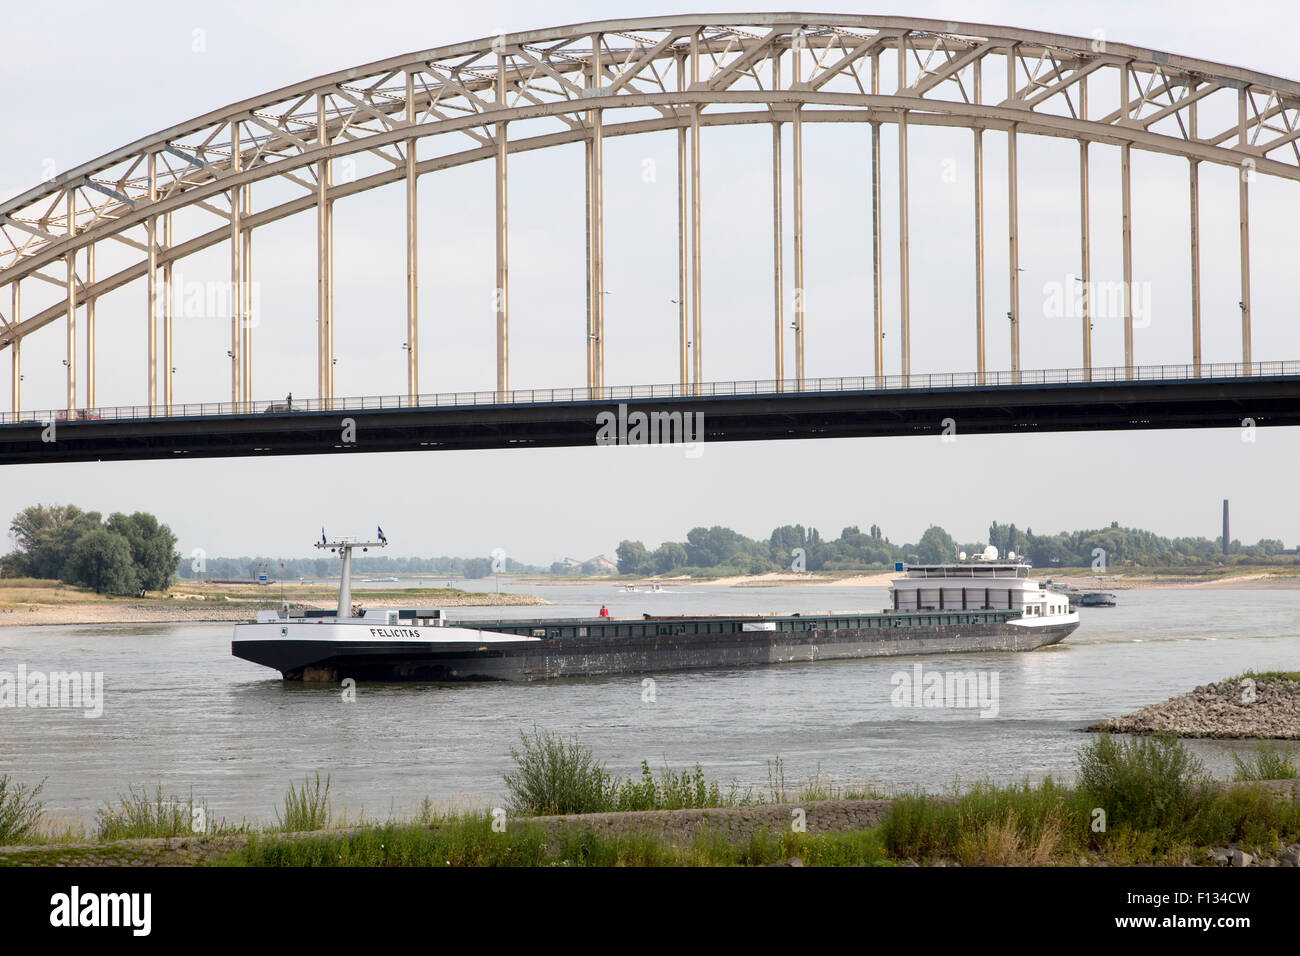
(1263,394)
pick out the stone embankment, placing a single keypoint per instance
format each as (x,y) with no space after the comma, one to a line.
(1248,707)
(737,824)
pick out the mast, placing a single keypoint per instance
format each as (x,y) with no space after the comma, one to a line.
(344,546)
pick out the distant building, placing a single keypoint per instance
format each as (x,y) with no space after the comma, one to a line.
(1227,538)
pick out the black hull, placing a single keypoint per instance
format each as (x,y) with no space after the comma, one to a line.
(652,653)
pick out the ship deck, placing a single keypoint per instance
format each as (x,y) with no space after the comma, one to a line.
(666,625)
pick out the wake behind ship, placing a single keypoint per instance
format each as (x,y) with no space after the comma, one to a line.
(983,605)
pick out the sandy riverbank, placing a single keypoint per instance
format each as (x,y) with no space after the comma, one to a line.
(780,579)
(32,603)
(1251,580)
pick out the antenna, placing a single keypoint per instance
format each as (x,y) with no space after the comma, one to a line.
(344,546)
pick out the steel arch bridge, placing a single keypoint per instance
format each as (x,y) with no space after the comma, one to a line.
(492,98)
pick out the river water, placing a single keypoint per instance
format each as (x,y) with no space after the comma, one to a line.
(181,711)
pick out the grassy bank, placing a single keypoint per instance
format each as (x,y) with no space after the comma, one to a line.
(474,842)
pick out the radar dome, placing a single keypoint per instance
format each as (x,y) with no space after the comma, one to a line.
(961,555)
(990,553)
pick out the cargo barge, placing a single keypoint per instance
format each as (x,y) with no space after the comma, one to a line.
(978,606)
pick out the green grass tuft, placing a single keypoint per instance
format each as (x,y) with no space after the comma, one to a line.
(1267,764)
(307,808)
(1268,675)
(138,815)
(20,810)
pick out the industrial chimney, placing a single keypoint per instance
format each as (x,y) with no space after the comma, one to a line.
(1227,538)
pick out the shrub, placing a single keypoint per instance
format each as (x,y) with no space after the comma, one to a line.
(1143,782)
(553,775)
(20,811)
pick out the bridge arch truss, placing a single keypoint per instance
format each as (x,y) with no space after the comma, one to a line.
(489,99)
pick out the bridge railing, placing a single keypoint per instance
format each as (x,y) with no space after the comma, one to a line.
(924,381)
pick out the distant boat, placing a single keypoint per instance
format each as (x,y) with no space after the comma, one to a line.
(1079,598)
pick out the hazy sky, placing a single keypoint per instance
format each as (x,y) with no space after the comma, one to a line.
(84,78)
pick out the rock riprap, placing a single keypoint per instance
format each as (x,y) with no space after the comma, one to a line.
(1246,707)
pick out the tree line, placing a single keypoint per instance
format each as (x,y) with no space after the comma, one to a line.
(202,567)
(125,554)
(719,550)
(128,553)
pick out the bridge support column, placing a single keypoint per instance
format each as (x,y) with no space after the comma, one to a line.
(1085,258)
(152,332)
(248,320)
(598,214)
(596,253)
(236,274)
(683,330)
(697,319)
(70,294)
(151,343)
(1085,248)
(800,296)
(151,293)
(589,344)
(1126,225)
(877,270)
(236,294)
(91,348)
(980,351)
(1243,202)
(1126,214)
(1243,207)
(1013,226)
(412,254)
(778,237)
(1013,259)
(167,306)
(904,279)
(502,296)
(1194,198)
(324,266)
(15,351)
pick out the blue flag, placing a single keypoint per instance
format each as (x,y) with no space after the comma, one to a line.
(322,536)
(381,534)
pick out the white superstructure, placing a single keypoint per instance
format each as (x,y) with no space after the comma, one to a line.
(980,586)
